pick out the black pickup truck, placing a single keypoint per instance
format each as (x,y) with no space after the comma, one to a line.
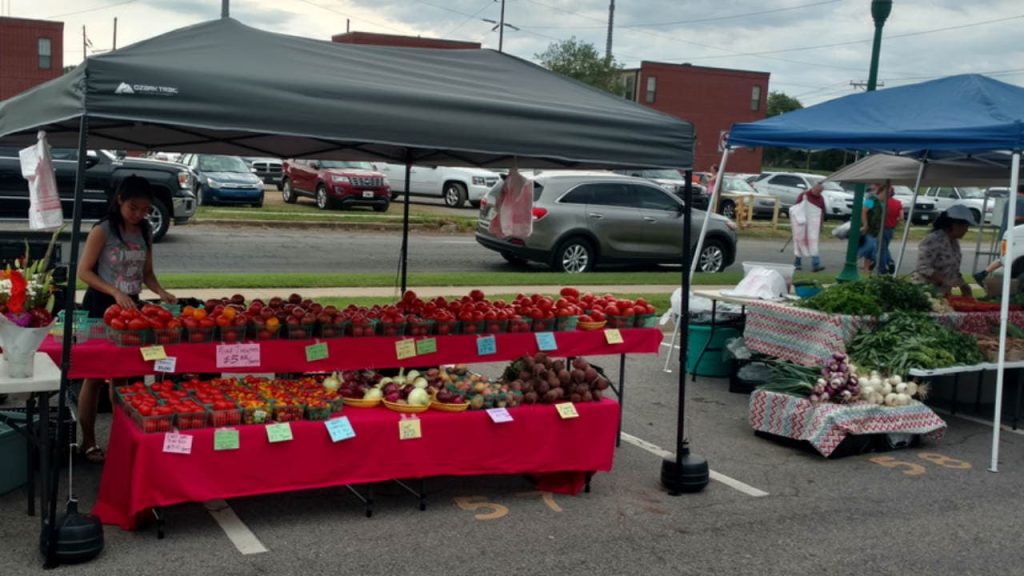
(172,183)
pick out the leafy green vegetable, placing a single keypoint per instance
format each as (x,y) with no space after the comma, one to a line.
(908,340)
(790,378)
(871,297)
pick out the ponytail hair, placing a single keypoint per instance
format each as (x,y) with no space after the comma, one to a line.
(130,188)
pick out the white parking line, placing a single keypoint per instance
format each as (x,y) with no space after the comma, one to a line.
(730,482)
(667,345)
(237,532)
(980,421)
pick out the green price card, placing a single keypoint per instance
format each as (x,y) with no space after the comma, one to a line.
(426,346)
(225,439)
(316,352)
(279,432)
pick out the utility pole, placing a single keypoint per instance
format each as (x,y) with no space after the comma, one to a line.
(501,28)
(115,34)
(348,25)
(225,9)
(611,25)
(85,52)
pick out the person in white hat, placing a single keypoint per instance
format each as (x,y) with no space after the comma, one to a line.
(938,258)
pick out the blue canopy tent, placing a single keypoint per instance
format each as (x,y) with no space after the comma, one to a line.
(960,117)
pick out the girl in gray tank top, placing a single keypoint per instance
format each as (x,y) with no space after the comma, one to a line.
(116,263)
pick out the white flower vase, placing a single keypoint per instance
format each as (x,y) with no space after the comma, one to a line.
(20,345)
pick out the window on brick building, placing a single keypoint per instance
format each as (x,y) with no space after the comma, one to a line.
(652,84)
(45,54)
(755,98)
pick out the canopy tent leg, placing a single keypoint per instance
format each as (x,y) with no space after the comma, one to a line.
(51,473)
(910,216)
(707,218)
(881,232)
(686,472)
(1004,310)
(404,264)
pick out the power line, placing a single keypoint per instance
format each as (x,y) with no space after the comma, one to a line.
(701,20)
(470,17)
(888,37)
(322,7)
(93,9)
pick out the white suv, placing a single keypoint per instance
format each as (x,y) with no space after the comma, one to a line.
(455,185)
(787,186)
(970,196)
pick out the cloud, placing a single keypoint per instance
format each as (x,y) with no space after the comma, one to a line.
(718,33)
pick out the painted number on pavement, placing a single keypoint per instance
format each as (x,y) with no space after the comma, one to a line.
(492,511)
(915,469)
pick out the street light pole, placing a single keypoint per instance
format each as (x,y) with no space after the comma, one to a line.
(880,10)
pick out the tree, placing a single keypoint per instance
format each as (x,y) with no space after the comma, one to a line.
(780,103)
(581,61)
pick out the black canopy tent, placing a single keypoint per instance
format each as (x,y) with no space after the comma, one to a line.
(223,87)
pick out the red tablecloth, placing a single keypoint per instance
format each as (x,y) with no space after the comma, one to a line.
(101,359)
(138,475)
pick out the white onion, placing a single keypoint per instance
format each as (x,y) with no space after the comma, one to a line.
(901,388)
(895,379)
(886,388)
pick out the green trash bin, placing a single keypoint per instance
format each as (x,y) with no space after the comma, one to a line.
(713,362)
(13,456)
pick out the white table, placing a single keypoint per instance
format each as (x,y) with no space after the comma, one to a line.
(45,381)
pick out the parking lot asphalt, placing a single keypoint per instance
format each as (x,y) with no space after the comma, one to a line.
(931,510)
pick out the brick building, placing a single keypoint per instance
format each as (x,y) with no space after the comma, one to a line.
(402,41)
(713,99)
(31,52)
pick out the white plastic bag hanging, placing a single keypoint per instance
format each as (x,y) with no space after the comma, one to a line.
(44,211)
(514,207)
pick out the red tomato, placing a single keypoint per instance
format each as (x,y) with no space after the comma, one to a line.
(138,324)
(118,324)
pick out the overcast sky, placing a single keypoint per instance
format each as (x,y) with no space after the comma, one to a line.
(813,49)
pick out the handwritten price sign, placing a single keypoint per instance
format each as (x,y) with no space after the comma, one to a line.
(238,355)
(175,443)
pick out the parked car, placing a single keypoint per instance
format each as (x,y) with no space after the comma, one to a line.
(671,181)
(171,183)
(270,170)
(455,185)
(224,180)
(335,183)
(925,211)
(733,187)
(970,196)
(581,220)
(787,187)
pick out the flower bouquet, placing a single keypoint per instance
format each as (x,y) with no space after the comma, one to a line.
(26,310)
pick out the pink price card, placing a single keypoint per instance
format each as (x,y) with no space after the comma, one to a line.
(238,356)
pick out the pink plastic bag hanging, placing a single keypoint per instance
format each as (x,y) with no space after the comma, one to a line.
(44,202)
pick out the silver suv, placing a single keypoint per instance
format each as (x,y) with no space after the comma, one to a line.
(580,219)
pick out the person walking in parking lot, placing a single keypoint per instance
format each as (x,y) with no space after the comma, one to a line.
(807,221)
(875,230)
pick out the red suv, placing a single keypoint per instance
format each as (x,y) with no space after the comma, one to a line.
(335,183)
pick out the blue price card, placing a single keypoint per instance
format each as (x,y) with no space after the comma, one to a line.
(340,429)
(486,345)
(546,341)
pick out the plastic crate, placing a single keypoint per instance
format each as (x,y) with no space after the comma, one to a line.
(166,336)
(130,337)
(154,423)
(191,420)
(319,410)
(543,324)
(232,334)
(297,332)
(566,323)
(617,322)
(199,335)
(495,326)
(332,330)
(224,416)
(471,327)
(446,327)
(361,329)
(646,321)
(520,325)
(287,410)
(419,328)
(258,331)
(391,329)
(255,413)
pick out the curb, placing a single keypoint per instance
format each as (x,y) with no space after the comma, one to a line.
(304,224)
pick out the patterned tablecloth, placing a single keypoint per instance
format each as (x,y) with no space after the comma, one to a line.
(826,425)
(809,337)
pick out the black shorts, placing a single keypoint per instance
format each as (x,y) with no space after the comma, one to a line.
(97,302)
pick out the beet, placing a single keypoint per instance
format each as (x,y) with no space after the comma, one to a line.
(601,383)
(530,398)
(575,399)
(516,385)
(525,374)
(551,396)
(564,376)
(580,364)
(589,375)
(558,365)
(553,380)
(527,363)
(540,369)
(596,395)
(541,358)
(587,396)
(543,388)
(578,376)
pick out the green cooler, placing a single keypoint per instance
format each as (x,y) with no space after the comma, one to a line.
(713,362)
